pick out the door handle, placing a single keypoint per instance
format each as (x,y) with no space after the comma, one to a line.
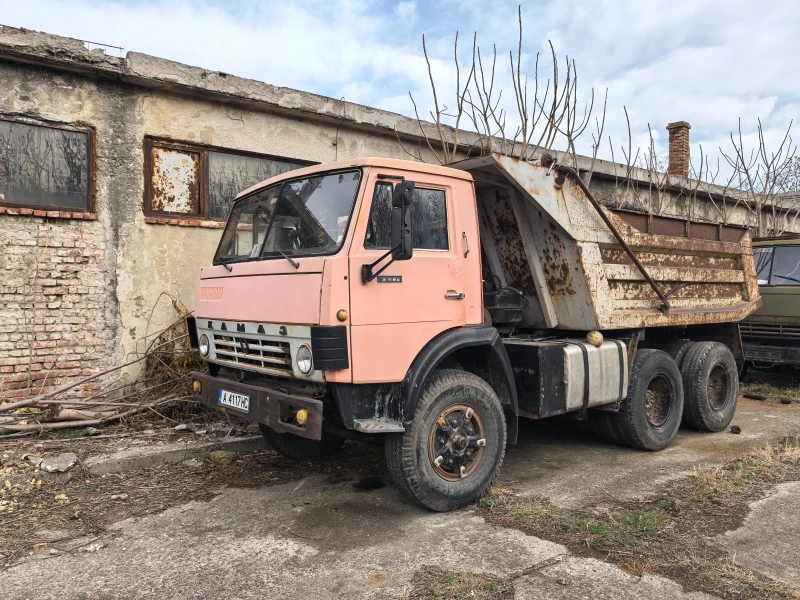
(454,295)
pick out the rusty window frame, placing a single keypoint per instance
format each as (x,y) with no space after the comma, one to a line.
(150,145)
(91,163)
(203,210)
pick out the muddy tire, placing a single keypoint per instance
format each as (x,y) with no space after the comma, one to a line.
(650,416)
(677,350)
(299,448)
(450,454)
(603,424)
(711,386)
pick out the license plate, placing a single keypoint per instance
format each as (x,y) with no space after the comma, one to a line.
(233,400)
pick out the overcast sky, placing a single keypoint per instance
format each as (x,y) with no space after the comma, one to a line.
(706,62)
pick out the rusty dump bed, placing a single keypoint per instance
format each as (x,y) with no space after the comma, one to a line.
(542,234)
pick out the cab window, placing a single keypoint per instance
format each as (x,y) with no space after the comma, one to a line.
(428,214)
(763,260)
(785,266)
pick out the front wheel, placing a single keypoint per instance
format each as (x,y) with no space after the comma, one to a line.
(451,453)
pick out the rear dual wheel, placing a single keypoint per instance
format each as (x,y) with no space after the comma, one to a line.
(711,386)
(451,453)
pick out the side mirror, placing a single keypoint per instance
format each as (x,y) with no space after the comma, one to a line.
(402,246)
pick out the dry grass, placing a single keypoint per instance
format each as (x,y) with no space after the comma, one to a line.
(433,583)
(773,385)
(671,534)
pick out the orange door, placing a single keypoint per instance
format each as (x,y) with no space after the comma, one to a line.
(395,315)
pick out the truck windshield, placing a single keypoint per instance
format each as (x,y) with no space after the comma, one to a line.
(300,217)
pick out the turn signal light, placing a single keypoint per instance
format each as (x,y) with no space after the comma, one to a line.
(301,416)
(196,387)
(342,315)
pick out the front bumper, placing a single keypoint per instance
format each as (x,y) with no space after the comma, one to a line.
(266,405)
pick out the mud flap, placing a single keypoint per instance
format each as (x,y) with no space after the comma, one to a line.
(512,426)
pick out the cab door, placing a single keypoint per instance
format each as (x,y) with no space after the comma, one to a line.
(409,303)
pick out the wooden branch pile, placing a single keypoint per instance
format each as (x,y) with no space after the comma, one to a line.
(164,379)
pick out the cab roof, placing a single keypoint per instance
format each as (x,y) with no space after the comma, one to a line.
(385,163)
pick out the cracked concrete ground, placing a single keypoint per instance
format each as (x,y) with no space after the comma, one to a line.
(322,539)
(767,541)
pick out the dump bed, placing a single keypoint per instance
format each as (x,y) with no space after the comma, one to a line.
(542,234)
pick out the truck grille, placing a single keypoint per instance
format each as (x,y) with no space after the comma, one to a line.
(772,331)
(250,351)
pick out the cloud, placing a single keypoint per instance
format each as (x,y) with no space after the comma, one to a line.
(708,63)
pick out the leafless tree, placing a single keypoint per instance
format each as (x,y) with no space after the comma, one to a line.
(552,116)
(761,173)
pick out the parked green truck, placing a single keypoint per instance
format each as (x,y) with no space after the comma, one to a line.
(771,335)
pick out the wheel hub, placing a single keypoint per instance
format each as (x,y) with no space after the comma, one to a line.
(658,400)
(456,443)
(718,382)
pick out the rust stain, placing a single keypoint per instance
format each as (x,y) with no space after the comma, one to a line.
(654,258)
(175,181)
(510,249)
(556,263)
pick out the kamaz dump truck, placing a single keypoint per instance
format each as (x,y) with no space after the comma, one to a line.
(428,308)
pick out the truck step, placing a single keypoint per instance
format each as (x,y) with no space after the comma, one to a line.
(378,426)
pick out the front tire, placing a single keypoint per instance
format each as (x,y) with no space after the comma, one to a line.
(711,386)
(451,453)
(650,416)
(300,448)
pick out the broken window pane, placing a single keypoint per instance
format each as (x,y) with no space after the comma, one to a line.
(229,174)
(43,166)
(175,181)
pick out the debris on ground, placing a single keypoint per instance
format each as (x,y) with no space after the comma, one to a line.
(100,398)
(755,396)
(736,429)
(786,400)
(58,464)
(69,514)
(223,457)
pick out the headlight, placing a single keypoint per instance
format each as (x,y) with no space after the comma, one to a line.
(204,345)
(304,362)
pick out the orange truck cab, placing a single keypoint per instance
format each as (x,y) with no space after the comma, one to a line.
(432,306)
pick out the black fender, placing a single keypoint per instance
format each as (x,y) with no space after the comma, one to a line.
(478,349)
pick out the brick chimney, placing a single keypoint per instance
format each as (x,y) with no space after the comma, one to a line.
(679,148)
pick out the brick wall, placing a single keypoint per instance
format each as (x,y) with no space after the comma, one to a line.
(53,294)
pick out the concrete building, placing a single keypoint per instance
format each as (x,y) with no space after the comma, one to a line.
(116,175)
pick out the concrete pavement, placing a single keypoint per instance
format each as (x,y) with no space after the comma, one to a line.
(323,538)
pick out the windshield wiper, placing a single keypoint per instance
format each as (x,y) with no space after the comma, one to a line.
(294,263)
(225,264)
